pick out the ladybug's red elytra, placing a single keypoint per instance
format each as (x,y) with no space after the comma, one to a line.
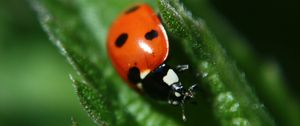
(138,47)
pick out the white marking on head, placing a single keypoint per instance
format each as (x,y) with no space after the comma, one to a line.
(175,102)
(144,73)
(171,77)
(140,86)
(177,94)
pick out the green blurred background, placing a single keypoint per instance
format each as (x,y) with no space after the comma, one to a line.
(35,89)
(34,85)
(272,27)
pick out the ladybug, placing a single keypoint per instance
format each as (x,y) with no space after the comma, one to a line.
(138,46)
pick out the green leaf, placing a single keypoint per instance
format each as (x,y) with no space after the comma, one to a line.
(80,50)
(78,29)
(264,75)
(74,122)
(234,102)
(97,107)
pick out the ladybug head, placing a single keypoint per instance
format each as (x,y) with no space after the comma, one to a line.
(179,95)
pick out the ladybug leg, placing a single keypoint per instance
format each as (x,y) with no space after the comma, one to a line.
(177,97)
(181,68)
(192,91)
(193,88)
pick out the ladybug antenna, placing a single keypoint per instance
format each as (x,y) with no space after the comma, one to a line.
(182,108)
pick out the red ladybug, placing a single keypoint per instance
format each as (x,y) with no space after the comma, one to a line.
(138,47)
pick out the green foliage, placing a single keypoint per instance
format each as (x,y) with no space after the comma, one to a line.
(78,28)
(234,101)
(264,76)
(74,123)
(102,93)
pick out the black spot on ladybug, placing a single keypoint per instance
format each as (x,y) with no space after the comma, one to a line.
(121,40)
(151,35)
(134,75)
(132,9)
